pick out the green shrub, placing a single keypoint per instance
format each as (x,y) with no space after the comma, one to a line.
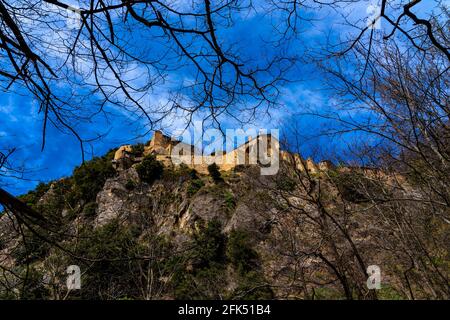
(32,249)
(244,259)
(214,172)
(194,186)
(89,209)
(389,293)
(137,150)
(42,188)
(110,247)
(230,201)
(32,197)
(150,169)
(206,277)
(33,287)
(184,170)
(51,208)
(240,168)
(108,241)
(327,293)
(240,252)
(209,244)
(253,286)
(286,183)
(193,174)
(202,284)
(180,173)
(130,185)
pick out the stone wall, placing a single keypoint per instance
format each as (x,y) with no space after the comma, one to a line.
(246,154)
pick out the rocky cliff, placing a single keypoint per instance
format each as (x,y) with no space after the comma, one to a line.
(152,232)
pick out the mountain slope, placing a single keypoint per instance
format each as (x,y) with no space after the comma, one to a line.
(152,232)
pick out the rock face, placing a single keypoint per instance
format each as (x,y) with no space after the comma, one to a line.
(112,202)
(250,229)
(167,202)
(115,200)
(170,207)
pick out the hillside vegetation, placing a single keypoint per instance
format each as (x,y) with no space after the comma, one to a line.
(150,232)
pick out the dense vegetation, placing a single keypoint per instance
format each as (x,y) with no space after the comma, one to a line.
(216,258)
(214,172)
(150,169)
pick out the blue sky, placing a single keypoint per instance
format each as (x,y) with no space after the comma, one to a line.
(21,124)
